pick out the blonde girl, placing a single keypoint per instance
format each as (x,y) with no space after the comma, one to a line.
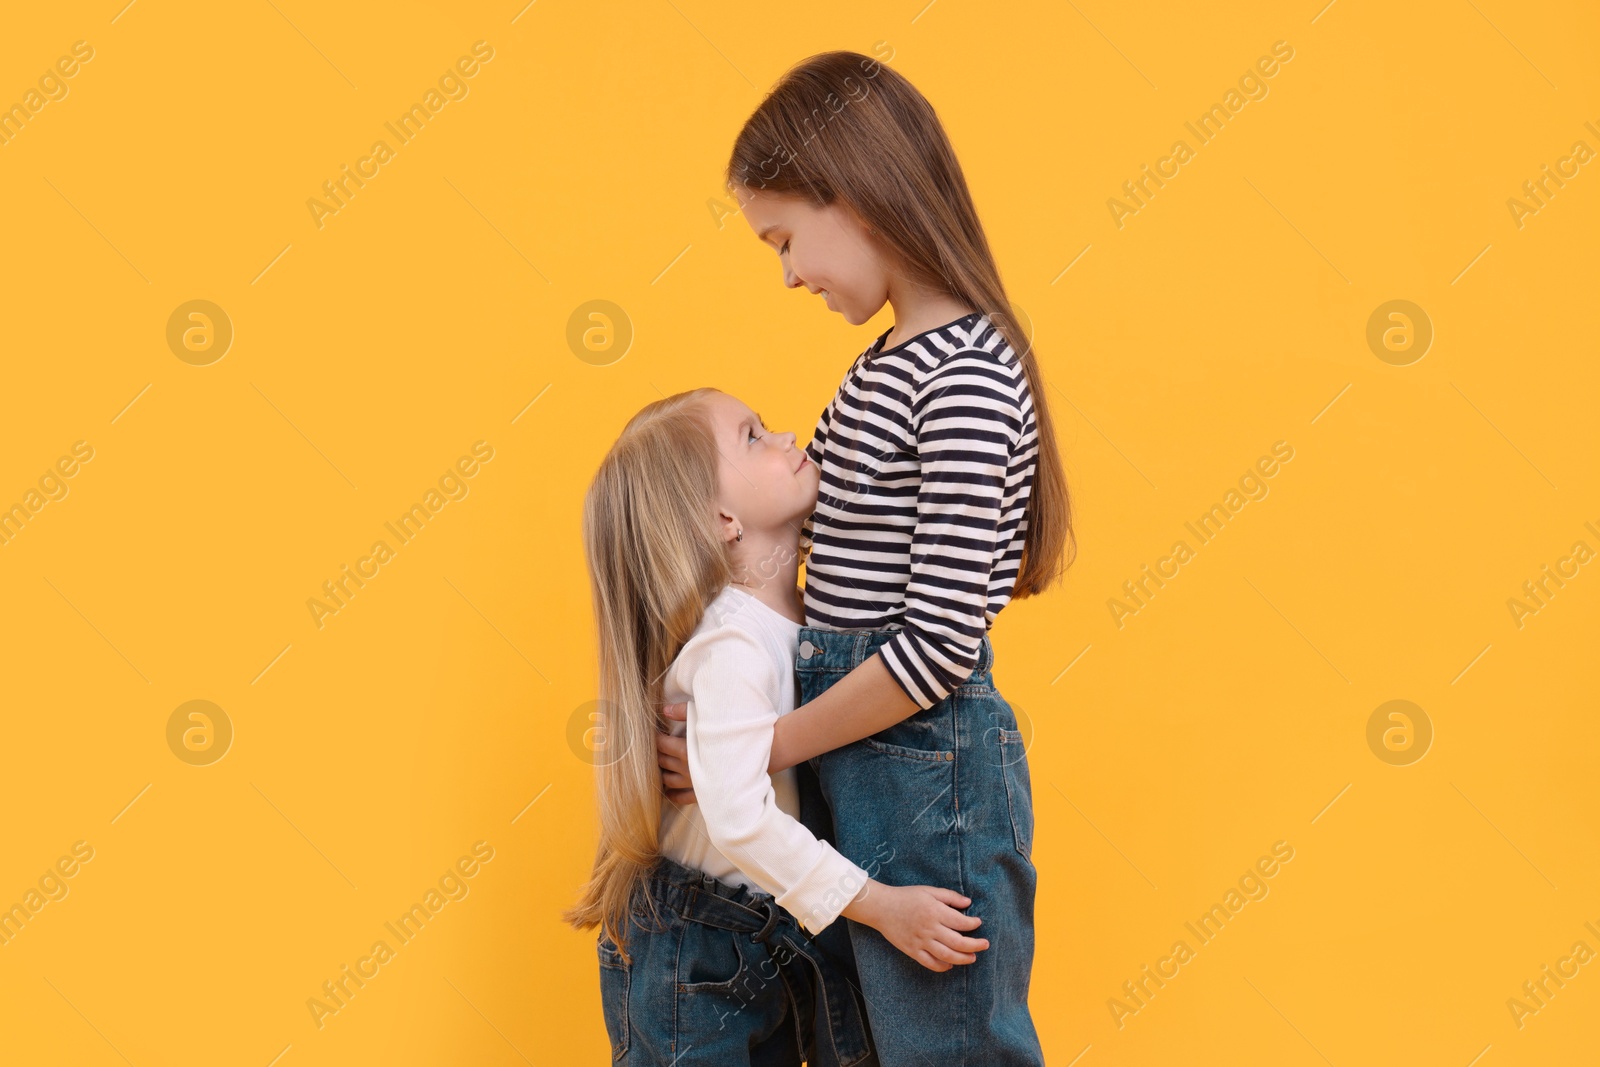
(707,914)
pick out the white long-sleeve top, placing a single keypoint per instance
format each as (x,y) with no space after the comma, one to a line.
(736,674)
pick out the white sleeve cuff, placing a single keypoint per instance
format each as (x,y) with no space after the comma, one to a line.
(826,890)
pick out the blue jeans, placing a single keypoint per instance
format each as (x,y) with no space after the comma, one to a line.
(722,975)
(941,798)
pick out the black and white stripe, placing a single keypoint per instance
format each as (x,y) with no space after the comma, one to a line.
(927,454)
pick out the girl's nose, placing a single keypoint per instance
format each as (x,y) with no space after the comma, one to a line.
(789,278)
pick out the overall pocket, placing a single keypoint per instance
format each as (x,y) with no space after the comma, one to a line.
(891,795)
(720,1000)
(1006,752)
(894,804)
(615,977)
(1019,789)
(710,960)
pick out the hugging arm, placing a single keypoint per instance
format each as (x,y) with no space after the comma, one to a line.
(858,705)
(729,727)
(730,680)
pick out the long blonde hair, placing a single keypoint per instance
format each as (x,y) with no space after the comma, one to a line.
(656,562)
(842,126)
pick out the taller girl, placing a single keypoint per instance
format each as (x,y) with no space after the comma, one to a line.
(942,499)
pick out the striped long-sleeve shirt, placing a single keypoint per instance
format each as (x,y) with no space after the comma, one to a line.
(927,454)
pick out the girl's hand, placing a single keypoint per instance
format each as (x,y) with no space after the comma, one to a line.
(921,921)
(672,756)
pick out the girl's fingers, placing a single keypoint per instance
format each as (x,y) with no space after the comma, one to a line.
(667,745)
(681,796)
(679,712)
(950,955)
(950,897)
(961,943)
(957,920)
(929,962)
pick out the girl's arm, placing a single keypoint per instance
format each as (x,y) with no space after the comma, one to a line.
(731,680)
(858,705)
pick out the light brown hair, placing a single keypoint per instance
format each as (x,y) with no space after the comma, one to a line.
(840,126)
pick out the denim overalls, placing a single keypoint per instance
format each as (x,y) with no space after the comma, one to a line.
(941,798)
(724,976)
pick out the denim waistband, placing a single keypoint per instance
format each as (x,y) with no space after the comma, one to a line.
(845,650)
(702,898)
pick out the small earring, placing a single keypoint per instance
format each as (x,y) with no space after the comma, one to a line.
(739,536)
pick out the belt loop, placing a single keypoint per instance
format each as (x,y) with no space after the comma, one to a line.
(772,921)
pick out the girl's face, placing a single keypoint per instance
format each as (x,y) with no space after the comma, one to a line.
(766,486)
(828,250)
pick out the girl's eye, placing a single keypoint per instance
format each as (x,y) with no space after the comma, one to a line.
(753,435)
(784,249)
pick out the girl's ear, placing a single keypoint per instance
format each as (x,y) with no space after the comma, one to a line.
(729,526)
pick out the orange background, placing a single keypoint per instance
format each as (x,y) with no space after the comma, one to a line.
(434,710)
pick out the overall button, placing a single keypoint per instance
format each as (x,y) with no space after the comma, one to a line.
(807,649)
